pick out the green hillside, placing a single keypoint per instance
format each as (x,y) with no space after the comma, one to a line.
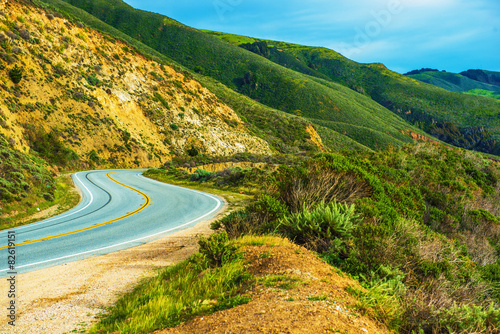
(488,77)
(25,182)
(421,104)
(254,76)
(285,132)
(453,81)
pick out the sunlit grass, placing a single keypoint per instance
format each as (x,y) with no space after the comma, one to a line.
(176,295)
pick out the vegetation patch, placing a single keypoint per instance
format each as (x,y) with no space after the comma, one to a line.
(209,281)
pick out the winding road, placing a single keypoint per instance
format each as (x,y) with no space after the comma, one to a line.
(119,209)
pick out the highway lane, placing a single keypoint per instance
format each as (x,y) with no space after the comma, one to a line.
(119,209)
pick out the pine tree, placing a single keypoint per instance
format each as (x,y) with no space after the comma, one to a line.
(193,151)
(16,74)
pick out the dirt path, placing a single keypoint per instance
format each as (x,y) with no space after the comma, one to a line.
(68,297)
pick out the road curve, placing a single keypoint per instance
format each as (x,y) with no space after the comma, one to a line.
(119,209)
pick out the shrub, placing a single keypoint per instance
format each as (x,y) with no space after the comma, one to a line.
(158,97)
(93,81)
(24,34)
(201,175)
(50,147)
(48,197)
(94,157)
(215,251)
(174,127)
(268,208)
(319,180)
(318,227)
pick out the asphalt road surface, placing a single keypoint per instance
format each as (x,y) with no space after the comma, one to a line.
(119,209)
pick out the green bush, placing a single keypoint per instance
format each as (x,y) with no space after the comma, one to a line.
(201,175)
(268,207)
(215,251)
(318,227)
(49,146)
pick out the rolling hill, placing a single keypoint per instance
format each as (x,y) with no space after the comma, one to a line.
(73,98)
(324,103)
(311,82)
(475,82)
(429,107)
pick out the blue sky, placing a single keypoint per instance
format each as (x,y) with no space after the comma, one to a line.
(452,35)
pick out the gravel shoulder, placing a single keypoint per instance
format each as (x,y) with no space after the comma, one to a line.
(68,297)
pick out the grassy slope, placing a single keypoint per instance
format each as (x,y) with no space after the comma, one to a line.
(284,132)
(411,99)
(422,237)
(24,182)
(488,77)
(267,82)
(453,82)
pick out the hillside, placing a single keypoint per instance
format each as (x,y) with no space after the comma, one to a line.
(324,103)
(102,102)
(475,82)
(73,98)
(417,227)
(419,104)
(489,77)
(294,292)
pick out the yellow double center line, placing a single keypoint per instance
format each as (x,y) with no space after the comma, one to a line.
(143,206)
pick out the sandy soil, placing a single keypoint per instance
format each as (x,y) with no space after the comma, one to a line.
(68,297)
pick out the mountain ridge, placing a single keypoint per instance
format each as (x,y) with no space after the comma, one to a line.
(475,82)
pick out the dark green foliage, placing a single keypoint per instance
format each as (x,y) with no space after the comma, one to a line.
(320,227)
(229,177)
(193,151)
(48,197)
(268,208)
(174,127)
(94,157)
(162,100)
(16,74)
(259,47)
(93,81)
(488,77)
(201,175)
(49,147)
(215,251)
(22,175)
(477,139)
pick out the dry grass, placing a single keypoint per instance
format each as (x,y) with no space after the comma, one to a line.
(322,185)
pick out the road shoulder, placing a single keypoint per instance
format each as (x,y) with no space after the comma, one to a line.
(68,297)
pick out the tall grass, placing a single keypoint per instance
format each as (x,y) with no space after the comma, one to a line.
(193,287)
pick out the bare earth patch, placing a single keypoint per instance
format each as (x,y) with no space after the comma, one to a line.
(67,297)
(306,295)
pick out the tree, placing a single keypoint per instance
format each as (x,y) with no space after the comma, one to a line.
(193,151)
(16,74)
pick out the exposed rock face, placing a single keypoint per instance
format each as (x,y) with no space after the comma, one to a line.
(98,94)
